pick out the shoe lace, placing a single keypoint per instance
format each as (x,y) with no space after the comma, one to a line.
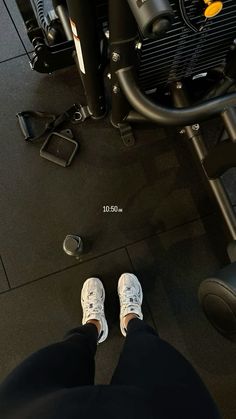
(129,297)
(93,304)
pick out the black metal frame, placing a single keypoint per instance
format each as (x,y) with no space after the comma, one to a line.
(126,95)
(83,17)
(193,133)
(129,104)
(123,34)
(46,58)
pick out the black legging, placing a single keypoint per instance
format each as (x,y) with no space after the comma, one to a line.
(60,378)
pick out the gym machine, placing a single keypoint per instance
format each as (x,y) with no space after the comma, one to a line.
(171,62)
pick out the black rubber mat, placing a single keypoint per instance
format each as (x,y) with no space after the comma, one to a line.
(3,279)
(172,267)
(19,23)
(40,313)
(43,202)
(10,45)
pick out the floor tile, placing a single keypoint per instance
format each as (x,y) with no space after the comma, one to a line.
(18,20)
(172,266)
(12,48)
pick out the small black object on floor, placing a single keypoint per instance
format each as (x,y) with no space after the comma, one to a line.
(60,148)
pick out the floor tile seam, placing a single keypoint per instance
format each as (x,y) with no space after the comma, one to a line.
(125,247)
(5,272)
(13,58)
(15,27)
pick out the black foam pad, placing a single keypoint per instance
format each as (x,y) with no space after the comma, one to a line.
(218,299)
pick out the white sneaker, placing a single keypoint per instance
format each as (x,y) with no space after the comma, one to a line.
(131,297)
(92,301)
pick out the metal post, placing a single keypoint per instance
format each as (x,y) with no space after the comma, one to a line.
(229,118)
(64,18)
(217,187)
(123,33)
(83,20)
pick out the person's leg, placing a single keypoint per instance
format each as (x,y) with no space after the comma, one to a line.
(152,364)
(148,361)
(62,365)
(65,364)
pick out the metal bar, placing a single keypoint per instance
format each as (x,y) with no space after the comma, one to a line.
(64,18)
(229,118)
(82,15)
(136,118)
(217,187)
(166,115)
(123,32)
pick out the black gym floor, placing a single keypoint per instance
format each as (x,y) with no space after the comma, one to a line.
(169,233)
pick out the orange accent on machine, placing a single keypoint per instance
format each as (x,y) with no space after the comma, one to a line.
(213,8)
